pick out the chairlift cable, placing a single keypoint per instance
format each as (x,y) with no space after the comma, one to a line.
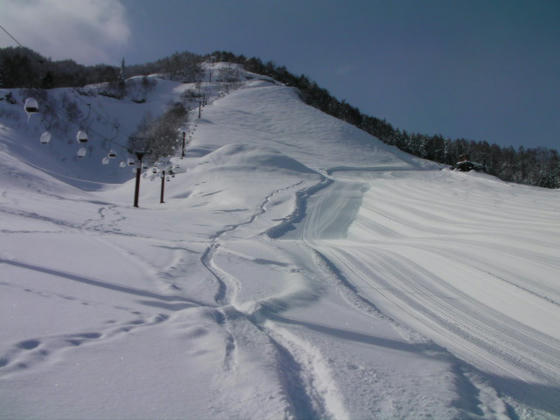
(11,36)
(111,140)
(58,174)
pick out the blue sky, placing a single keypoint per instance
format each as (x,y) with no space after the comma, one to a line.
(478,69)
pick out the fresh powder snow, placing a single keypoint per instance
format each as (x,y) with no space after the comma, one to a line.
(298,269)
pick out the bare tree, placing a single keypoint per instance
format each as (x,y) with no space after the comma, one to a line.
(159,137)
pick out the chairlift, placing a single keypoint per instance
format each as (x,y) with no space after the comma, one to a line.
(122,164)
(168,179)
(31,106)
(112,154)
(45,137)
(81,137)
(154,170)
(82,152)
(131,162)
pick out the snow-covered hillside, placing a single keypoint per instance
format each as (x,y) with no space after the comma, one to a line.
(299,269)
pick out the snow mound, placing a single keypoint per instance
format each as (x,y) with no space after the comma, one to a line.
(262,113)
(254,158)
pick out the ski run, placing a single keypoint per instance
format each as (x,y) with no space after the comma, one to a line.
(298,269)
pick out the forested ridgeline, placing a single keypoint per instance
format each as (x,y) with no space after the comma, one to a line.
(21,67)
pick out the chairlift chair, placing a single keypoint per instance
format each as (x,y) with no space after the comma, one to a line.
(31,106)
(112,154)
(82,137)
(82,152)
(45,137)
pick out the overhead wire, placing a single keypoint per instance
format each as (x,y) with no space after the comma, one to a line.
(11,36)
(111,140)
(61,175)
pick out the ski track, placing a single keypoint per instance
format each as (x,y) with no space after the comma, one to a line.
(463,325)
(303,374)
(451,316)
(314,393)
(482,330)
(207,258)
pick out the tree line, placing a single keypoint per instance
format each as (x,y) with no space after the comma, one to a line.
(22,67)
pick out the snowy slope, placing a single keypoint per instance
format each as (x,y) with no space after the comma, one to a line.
(299,269)
(64,112)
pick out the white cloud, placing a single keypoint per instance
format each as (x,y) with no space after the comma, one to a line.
(87,31)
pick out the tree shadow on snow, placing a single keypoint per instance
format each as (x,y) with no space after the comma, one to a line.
(183,302)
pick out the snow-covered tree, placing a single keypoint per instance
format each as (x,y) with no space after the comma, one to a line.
(158,137)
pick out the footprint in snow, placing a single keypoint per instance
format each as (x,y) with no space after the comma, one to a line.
(28,344)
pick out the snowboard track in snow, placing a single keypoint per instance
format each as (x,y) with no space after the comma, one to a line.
(471,389)
(297,366)
(489,335)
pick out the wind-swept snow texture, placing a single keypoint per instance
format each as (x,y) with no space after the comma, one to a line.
(298,269)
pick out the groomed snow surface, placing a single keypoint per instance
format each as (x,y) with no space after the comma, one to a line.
(298,269)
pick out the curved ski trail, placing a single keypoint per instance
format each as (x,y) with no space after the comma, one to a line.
(310,390)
